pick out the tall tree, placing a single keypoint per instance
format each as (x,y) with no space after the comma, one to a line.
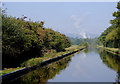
(111,36)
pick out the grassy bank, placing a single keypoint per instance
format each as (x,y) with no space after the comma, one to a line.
(111,50)
(34,61)
(8,70)
(48,55)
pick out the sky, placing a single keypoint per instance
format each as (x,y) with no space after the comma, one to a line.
(67,17)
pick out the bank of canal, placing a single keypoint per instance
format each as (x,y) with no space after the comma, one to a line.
(13,75)
(115,51)
(46,56)
(92,65)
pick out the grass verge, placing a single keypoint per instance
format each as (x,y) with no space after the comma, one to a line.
(8,70)
(36,60)
(111,50)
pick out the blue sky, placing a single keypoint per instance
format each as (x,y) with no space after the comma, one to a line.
(69,17)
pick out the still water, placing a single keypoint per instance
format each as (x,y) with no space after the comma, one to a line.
(92,65)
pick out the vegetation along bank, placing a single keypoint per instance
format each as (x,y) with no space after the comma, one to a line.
(23,39)
(111,36)
(26,43)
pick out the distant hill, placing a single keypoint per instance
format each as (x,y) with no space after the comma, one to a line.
(82,35)
(77,41)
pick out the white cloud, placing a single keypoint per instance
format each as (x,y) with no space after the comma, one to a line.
(79,69)
(77,21)
(83,35)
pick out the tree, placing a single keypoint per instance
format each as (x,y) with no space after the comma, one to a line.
(23,39)
(111,36)
(84,43)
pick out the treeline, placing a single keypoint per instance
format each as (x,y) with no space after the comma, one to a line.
(90,41)
(22,39)
(111,36)
(84,43)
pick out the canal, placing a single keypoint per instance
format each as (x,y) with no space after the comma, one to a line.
(91,65)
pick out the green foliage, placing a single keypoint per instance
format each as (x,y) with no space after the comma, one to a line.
(76,41)
(90,41)
(101,39)
(23,39)
(111,36)
(84,44)
(9,70)
(118,5)
(56,40)
(49,55)
(112,39)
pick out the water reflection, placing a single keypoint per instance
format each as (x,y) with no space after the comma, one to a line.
(91,49)
(41,75)
(112,61)
(87,66)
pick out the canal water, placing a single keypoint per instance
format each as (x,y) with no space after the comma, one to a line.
(91,65)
